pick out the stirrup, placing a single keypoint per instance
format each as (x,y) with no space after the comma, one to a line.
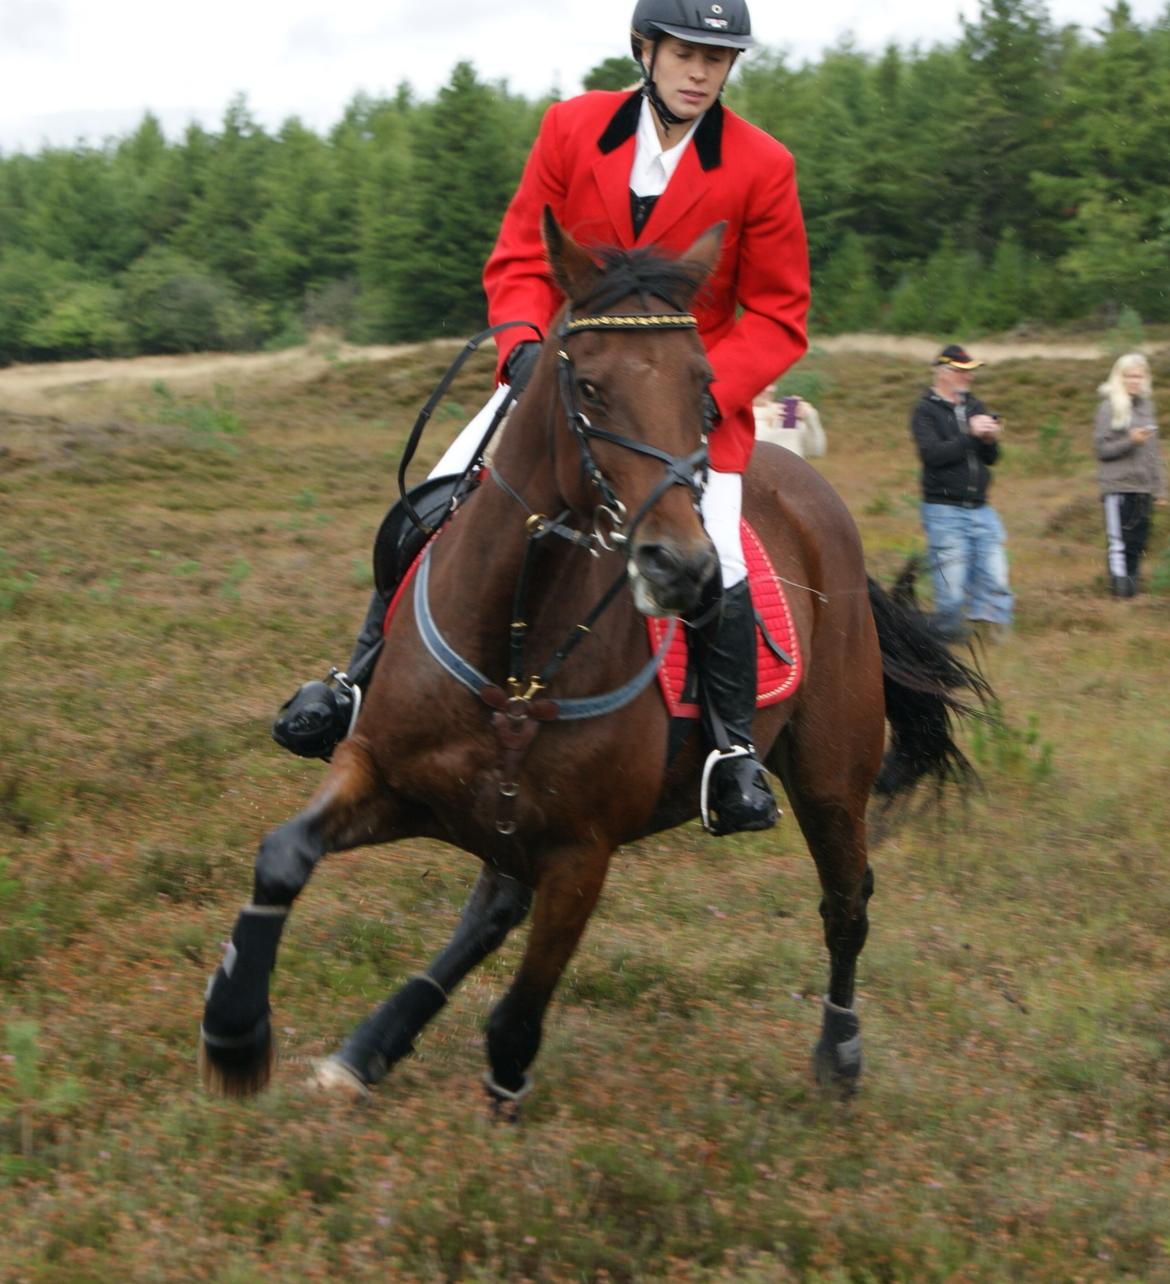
(354,693)
(763,819)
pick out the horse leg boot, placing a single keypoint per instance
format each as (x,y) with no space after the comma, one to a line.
(735,788)
(313,722)
(497,903)
(237,1051)
(350,809)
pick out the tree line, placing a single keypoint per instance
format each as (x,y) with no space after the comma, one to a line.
(1019,174)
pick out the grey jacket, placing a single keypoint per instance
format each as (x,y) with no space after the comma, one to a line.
(1122,466)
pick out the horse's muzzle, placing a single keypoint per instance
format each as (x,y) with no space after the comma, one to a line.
(668,578)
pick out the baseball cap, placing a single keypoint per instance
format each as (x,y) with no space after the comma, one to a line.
(957,358)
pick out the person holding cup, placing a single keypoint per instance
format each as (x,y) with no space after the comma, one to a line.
(1130,471)
(958,443)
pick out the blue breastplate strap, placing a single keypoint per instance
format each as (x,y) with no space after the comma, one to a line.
(566,710)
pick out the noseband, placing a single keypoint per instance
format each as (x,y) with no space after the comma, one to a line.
(681,470)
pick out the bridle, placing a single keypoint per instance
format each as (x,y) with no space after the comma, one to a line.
(681,470)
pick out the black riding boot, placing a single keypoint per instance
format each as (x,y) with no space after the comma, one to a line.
(315,720)
(736,790)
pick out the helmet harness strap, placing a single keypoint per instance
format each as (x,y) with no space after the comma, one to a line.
(654,98)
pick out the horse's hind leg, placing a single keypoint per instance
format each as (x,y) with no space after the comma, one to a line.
(496,904)
(565,898)
(351,808)
(829,788)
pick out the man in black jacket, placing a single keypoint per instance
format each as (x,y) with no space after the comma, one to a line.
(958,443)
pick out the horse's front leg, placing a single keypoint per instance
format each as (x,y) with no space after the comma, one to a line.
(496,904)
(351,808)
(567,891)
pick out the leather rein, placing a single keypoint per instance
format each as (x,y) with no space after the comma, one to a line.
(518,712)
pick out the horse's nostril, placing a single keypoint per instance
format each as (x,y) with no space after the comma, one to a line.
(657,562)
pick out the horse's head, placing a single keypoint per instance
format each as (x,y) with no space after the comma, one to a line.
(632,379)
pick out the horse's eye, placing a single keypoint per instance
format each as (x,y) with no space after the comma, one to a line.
(589,391)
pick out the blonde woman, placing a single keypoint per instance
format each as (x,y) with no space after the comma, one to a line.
(1130,472)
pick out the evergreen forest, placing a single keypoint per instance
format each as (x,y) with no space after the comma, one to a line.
(1019,176)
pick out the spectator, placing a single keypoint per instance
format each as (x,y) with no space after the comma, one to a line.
(1130,472)
(790,422)
(958,443)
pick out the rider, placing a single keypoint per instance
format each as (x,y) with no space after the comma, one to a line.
(659,165)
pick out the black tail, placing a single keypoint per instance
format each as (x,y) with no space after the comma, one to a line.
(924,688)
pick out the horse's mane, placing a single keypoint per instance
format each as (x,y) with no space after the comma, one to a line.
(645,272)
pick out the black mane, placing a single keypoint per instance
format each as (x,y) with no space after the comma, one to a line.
(645,272)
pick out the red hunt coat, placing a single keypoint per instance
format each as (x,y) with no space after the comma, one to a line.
(731,172)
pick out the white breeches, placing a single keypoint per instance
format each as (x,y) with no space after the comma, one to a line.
(461,451)
(722,496)
(722,502)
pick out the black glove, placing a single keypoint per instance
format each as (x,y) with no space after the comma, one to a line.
(520,365)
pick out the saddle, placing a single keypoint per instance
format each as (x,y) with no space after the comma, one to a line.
(399,541)
(778,658)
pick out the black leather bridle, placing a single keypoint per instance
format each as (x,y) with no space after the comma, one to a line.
(681,470)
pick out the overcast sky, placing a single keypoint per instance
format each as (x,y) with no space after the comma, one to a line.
(88,69)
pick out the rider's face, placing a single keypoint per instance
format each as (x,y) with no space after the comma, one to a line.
(689,77)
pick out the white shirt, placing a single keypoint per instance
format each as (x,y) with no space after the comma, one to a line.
(652,166)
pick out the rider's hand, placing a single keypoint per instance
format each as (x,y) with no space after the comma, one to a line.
(520,365)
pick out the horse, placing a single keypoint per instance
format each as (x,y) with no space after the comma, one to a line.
(544,774)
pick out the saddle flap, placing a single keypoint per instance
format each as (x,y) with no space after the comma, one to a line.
(399,541)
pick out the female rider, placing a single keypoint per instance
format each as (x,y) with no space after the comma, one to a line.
(661,165)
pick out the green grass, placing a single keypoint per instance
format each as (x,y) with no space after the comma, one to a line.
(173,565)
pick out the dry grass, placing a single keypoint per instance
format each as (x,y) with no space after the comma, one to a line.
(170,564)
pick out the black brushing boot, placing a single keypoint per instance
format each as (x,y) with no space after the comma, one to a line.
(315,720)
(736,793)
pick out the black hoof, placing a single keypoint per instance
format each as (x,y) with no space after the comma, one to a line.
(505,1105)
(237,1067)
(837,1056)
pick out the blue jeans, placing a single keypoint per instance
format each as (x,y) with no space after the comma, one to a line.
(968,564)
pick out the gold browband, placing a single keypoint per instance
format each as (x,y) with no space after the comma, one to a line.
(638,321)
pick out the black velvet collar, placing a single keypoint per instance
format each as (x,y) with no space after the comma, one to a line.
(708,137)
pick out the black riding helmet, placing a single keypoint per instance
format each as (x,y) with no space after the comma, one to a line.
(724,23)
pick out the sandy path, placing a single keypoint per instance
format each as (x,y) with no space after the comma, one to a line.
(919,349)
(23,386)
(26,386)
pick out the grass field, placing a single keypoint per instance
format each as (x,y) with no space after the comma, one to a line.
(171,565)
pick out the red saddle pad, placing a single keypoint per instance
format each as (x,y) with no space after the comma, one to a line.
(775,680)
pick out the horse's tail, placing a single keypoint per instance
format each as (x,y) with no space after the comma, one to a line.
(926,688)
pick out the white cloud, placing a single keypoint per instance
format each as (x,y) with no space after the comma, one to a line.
(92,69)
(31,24)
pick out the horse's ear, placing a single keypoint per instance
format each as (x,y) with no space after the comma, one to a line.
(573,270)
(705,251)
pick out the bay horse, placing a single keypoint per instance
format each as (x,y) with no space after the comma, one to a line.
(543,777)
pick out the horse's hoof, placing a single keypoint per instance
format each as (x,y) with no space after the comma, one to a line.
(836,1059)
(240,1068)
(331,1077)
(505,1105)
